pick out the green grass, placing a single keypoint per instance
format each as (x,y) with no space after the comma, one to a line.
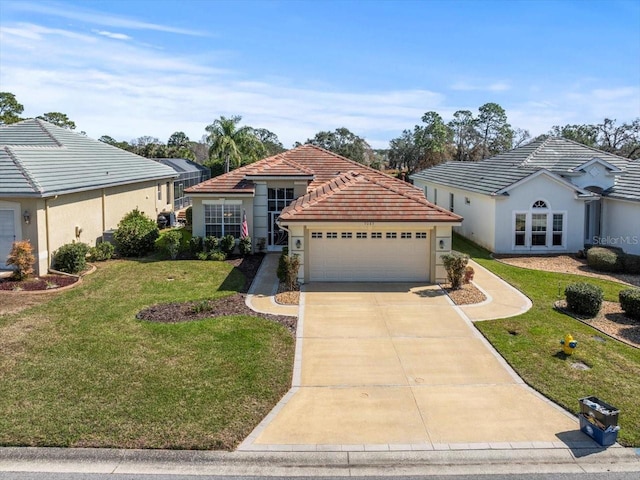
(533,349)
(80,370)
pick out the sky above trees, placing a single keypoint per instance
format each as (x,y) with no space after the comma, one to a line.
(135,68)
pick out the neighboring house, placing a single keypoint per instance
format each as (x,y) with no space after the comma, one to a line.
(347,222)
(549,196)
(190,174)
(57,187)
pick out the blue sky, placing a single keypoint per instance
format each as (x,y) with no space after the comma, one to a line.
(133,68)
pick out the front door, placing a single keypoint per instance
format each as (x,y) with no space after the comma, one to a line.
(277,236)
(7,235)
(593,222)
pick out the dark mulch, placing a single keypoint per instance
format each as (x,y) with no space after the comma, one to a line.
(45,282)
(232,305)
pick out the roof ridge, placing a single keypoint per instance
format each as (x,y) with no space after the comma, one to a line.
(295,164)
(23,170)
(327,189)
(535,151)
(41,123)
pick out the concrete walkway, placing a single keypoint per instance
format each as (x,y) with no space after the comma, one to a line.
(261,295)
(388,367)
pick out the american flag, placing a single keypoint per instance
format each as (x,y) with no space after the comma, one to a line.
(245,228)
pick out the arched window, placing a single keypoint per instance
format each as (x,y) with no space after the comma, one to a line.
(540,204)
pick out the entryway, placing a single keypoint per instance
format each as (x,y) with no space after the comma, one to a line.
(9,226)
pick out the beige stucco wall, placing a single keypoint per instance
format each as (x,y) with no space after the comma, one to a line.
(83,216)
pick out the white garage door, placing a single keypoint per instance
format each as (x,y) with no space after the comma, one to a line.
(7,235)
(348,256)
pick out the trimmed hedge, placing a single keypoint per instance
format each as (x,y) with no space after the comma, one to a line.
(455,264)
(604,259)
(71,257)
(584,298)
(631,263)
(630,302)
(101,252)
(136,234)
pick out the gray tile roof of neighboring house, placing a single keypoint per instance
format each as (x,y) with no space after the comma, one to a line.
(557,155)
(182,165)
(38,159)
(628,185)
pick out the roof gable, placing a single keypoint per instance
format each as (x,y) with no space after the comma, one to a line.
(356,196)
(557,156)
(40,160)
(545,173)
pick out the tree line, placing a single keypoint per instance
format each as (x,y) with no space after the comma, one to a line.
(226,144)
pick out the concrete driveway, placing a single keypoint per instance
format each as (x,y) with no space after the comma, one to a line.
(396,366)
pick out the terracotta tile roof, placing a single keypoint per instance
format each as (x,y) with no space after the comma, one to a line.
(357,196)
(339,189)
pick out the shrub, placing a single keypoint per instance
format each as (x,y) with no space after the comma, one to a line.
(469,272)
(195,246)
(245,246)
(188,215)
(228,244)
(101,252)
(630,302)
(604,259)
(216,256)
(262,244)
(288,267)
(210,244)
(71,258)
(584,298)
(136,234)
(169,243)
(455,264)
(21,256)
(631,263)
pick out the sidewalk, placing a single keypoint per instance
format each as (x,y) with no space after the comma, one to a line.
(261,295)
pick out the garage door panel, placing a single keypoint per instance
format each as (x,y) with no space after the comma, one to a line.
(368,259)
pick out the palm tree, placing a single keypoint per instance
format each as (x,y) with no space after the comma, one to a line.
(232,144)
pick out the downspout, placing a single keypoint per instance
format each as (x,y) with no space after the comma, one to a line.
(46,229)
(104,222)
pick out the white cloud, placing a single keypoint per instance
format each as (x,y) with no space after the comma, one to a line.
(465,86)
(98,18)
(116,36)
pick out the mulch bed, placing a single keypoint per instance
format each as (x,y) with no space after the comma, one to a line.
(231,305)
(610,320)
(467,294)
(45,282)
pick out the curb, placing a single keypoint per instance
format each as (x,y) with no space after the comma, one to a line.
(579,460)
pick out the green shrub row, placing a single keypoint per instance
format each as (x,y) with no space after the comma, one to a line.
(613,260)
(584,298)
(630,302)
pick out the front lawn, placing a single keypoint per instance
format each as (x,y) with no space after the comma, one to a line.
(530,343)
(81,371)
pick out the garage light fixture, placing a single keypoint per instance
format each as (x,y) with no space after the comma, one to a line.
(298,244)
(441,243)
(27,217)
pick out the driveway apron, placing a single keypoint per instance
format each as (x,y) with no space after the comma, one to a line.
(397,366)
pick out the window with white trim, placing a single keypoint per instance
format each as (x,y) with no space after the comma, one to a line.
(405,235)
(558,229)
(361,234)
(451,202)
(346,235)
(222,219)
(392,235)
(539,228)
(435,196)
(421,235)
(521,229)
(316,234)
(159,192)
(376,234)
